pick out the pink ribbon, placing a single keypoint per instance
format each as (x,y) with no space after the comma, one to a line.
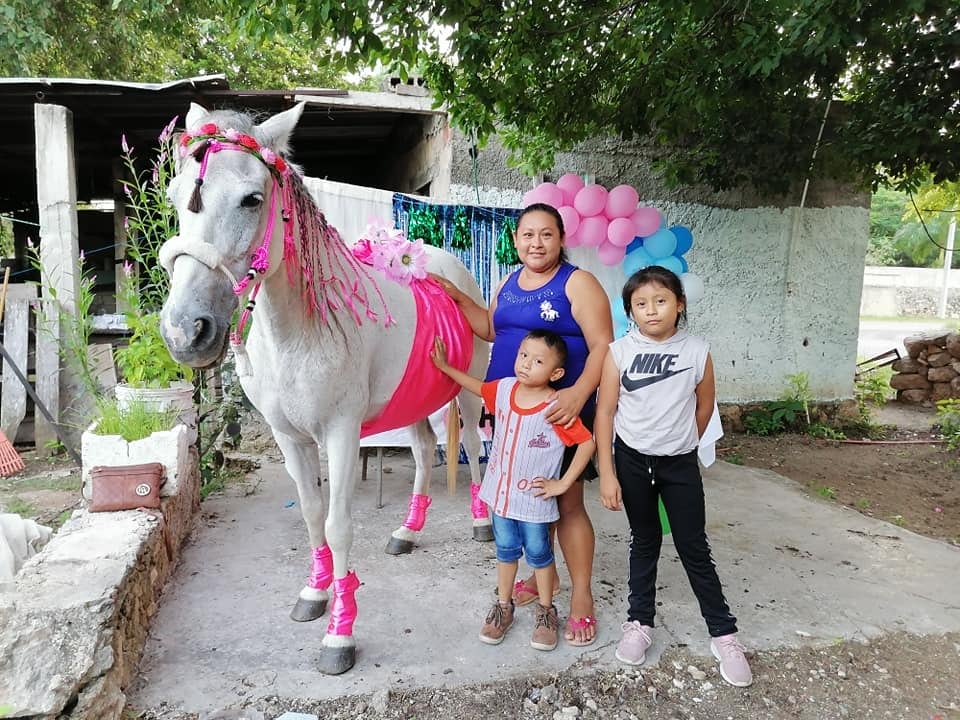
(344,611)
(322,573)
(477,506)
(417,514)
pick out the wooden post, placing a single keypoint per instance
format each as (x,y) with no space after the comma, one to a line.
(453,445)
(59,242)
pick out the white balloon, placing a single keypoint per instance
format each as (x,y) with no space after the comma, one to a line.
(693,287)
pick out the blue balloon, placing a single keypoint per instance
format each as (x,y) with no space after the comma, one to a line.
(684,239)
(635,244)
(683,264)
(637,260)
(671,263)
(661,244)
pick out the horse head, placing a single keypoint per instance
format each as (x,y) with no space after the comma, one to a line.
(226,194)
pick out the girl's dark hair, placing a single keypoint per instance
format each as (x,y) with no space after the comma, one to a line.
(656,275)
(552,341)
(551,211)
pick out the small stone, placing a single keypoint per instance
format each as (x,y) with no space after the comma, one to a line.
(549,694)
(841,673)
(297,716)
(678,683)
(571,711)
(233,715)
(789,666)
(529,705)
(591,704)
(791,699)
(706,687)
(696,673)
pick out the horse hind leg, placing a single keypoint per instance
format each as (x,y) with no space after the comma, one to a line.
(470,407)
(302,461)
(424,446)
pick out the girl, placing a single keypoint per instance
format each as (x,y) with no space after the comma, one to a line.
(657,395)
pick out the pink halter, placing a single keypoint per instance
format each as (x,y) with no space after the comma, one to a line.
(279,169)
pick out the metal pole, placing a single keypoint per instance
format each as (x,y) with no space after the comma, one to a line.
(947,262)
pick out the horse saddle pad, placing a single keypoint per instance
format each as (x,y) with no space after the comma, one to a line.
(126,487)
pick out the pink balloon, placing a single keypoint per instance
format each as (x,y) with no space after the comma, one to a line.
(569,184)
(620,232)
(591,201)
(593,230)
(646,221)
(547,193)
(572,239)
(570,217)
(621,202)
(610,254)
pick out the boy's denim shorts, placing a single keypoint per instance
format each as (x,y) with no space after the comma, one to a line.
(517,538)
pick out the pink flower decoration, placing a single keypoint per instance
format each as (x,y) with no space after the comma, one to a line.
(406,261)
(232,134)
(268,155)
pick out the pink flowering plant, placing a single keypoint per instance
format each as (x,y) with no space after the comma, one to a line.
(389,250)
(150,219)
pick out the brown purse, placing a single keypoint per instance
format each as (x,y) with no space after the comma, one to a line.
(126,487)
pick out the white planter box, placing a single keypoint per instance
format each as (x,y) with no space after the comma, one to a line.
(169,447)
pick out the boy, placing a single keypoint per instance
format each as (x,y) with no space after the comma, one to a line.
(521,483)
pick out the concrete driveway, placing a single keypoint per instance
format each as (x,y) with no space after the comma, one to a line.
(797,570)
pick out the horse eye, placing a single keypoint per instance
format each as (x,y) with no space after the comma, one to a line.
(252,200)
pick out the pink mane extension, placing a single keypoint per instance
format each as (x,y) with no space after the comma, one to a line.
(322,266)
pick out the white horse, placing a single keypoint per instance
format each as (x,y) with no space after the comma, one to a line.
(331,345)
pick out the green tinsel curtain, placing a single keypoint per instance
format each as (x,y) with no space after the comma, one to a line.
(461,230)
(425,225)
(506,251)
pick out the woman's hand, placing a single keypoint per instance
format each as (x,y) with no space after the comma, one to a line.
(609,491)
(439,354)
(566,407)
(448,287)
(549,487)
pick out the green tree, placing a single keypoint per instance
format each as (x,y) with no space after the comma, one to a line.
(927,217)
(886,217)
(150,41)
(725,93)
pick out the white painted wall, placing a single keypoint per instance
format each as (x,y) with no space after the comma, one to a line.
(782,296)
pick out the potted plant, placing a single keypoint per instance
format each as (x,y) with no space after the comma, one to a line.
(148,373)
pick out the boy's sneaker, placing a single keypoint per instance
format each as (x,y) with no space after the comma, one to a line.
(734,667)
(637,638)
(545,628)
(498,621)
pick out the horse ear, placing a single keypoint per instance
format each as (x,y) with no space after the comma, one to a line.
(195,114)
(275,132)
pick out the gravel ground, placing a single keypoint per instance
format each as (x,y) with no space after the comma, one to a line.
(897,677)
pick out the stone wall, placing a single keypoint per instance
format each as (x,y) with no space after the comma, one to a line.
(74,622)
(931,370)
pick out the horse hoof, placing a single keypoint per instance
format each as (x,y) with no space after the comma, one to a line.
(307,610)
(483,533)
(399,547)
(337,660)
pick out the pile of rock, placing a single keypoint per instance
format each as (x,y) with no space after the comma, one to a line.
(931,370)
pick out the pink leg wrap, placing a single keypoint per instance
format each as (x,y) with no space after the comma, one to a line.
(417,514)
(322,573)
(477,506)
(344,610)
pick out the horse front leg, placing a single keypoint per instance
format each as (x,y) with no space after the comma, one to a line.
(338,652)
(424,447)
(470,406)
(302,461)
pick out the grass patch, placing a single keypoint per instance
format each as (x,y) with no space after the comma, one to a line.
(827,493)
(43,481)
(18,506)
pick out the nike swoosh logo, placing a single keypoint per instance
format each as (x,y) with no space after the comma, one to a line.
(631,385)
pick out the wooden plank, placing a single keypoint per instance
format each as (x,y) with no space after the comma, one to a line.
(48,373)
(13,403)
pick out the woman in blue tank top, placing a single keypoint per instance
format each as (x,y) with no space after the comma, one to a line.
(549,293)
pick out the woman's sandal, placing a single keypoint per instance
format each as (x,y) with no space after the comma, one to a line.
(575,624)
(522,587)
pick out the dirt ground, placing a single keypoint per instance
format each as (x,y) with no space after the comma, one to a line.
(906,477)
(914,485)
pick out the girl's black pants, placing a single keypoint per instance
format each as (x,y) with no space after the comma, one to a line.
(676,479)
